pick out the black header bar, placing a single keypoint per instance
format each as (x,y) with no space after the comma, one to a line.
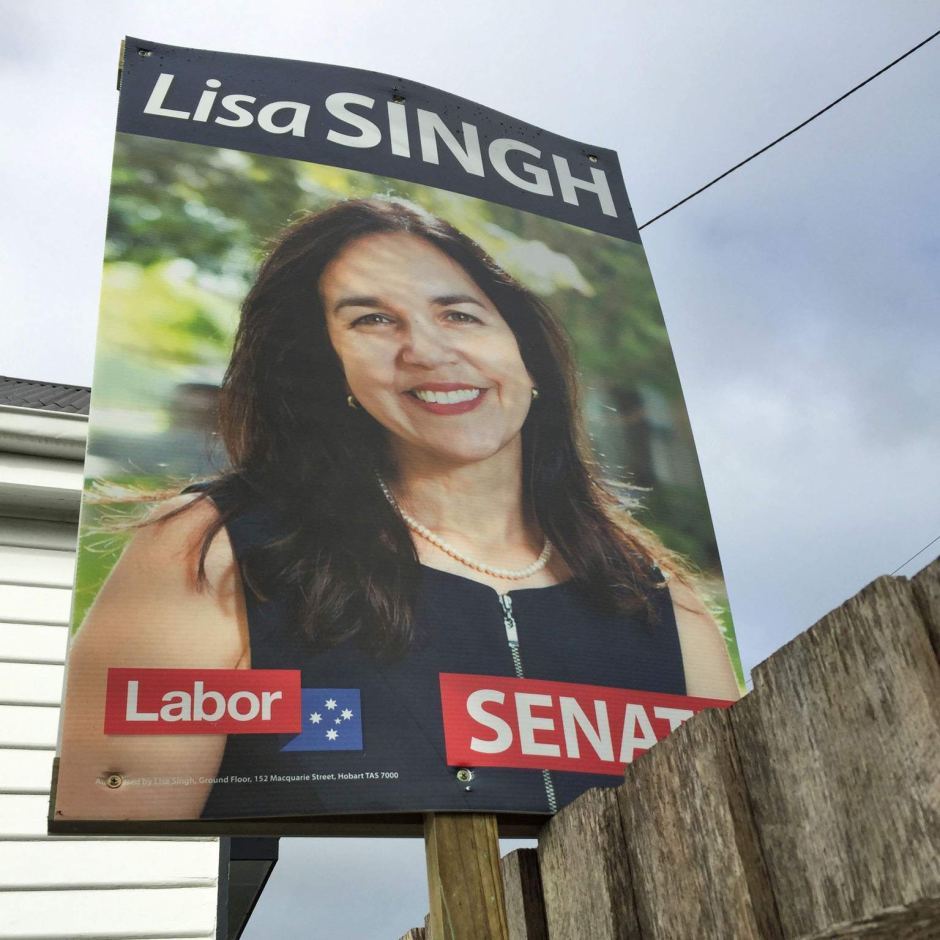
(370,122)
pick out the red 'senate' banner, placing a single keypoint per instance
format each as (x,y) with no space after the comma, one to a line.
(494,721)
(202,701)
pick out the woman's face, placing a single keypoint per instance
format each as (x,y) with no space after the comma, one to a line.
(424,350)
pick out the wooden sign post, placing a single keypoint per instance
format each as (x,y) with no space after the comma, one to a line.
(464,880)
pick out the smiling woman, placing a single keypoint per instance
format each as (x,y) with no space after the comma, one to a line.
(411,500)
(419,342)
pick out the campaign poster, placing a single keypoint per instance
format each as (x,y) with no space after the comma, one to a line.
(392,504)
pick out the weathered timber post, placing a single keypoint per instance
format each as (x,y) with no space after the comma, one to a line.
(694,854)
(926,586)
(839,745)
(809,810)
(464,880)
(525,910)
(586,880)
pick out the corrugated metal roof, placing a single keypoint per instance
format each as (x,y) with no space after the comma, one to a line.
(44,396)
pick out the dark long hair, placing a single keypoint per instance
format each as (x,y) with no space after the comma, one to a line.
(342,554)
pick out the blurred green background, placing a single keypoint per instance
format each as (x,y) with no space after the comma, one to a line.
(187,227)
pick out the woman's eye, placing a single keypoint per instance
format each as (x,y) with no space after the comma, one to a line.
(458,316)
(371,319)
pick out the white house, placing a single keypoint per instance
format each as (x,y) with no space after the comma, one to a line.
(78,887)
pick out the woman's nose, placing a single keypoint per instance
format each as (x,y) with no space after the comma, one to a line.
(427,346)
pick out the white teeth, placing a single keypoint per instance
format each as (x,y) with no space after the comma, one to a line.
(446,398)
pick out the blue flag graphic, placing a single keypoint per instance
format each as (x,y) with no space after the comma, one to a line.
(332,721)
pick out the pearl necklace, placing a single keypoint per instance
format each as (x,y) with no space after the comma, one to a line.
(507,574)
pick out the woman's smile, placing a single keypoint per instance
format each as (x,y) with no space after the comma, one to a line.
(444,398)
(424,350)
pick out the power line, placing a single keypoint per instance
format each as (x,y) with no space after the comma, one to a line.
(792,131)
(780,139)
(931,542)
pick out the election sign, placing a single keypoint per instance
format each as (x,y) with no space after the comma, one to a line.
(331,720)
(196,701)
(392,505)
(493,721)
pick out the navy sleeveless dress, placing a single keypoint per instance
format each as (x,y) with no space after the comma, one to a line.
(460,628)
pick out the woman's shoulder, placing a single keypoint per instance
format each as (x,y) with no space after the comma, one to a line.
(187,528)
(155,606)
(708,669)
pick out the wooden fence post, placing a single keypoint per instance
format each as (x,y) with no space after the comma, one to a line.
(926,587)
(525,909)
(694,853)
(809,810)
(464,880)
(838,744)
(586,880)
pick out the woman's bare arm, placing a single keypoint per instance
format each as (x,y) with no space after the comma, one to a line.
(708,671)
(151,613)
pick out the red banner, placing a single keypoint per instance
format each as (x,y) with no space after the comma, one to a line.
(494,721)
(202,701)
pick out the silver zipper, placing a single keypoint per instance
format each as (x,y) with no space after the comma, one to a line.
(512,637)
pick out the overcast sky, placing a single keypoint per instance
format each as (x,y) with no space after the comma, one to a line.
(801,294)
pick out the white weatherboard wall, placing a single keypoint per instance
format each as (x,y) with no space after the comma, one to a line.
(71,888)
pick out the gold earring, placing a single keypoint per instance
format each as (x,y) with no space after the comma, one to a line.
(352,403)
(535,394)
